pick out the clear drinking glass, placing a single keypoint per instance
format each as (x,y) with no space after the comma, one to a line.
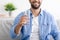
(27,13)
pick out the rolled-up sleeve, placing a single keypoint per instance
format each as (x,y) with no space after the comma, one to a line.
(12,33)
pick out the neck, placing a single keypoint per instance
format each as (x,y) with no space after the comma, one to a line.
(35,12)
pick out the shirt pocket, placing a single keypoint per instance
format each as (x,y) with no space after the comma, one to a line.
(45,27)
(44,24)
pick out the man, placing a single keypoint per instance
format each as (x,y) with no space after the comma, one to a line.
(41,26)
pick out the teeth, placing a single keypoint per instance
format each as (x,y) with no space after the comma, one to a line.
(35,3)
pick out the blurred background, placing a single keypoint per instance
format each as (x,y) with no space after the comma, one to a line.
(52,6)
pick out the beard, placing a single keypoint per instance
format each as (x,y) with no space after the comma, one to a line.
(34,5)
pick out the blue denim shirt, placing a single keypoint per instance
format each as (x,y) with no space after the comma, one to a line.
(47,26)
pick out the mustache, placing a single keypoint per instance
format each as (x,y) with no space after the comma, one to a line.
(35,2)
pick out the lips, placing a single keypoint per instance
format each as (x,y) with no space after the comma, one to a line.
(36,3)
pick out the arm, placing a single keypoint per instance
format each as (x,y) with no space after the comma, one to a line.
(54,29)
(12,30)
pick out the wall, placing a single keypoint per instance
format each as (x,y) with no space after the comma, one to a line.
(51,6)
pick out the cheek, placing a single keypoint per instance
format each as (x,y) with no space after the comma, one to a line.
(40,0)
(31,1)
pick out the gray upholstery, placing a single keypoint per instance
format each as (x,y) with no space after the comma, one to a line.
(6,24)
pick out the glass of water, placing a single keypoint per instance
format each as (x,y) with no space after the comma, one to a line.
(27,13)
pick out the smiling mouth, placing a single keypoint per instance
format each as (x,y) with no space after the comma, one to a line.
(35,3)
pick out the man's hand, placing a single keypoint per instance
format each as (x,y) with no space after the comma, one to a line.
(24,19)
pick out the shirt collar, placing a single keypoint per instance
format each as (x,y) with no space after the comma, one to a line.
(41,13)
